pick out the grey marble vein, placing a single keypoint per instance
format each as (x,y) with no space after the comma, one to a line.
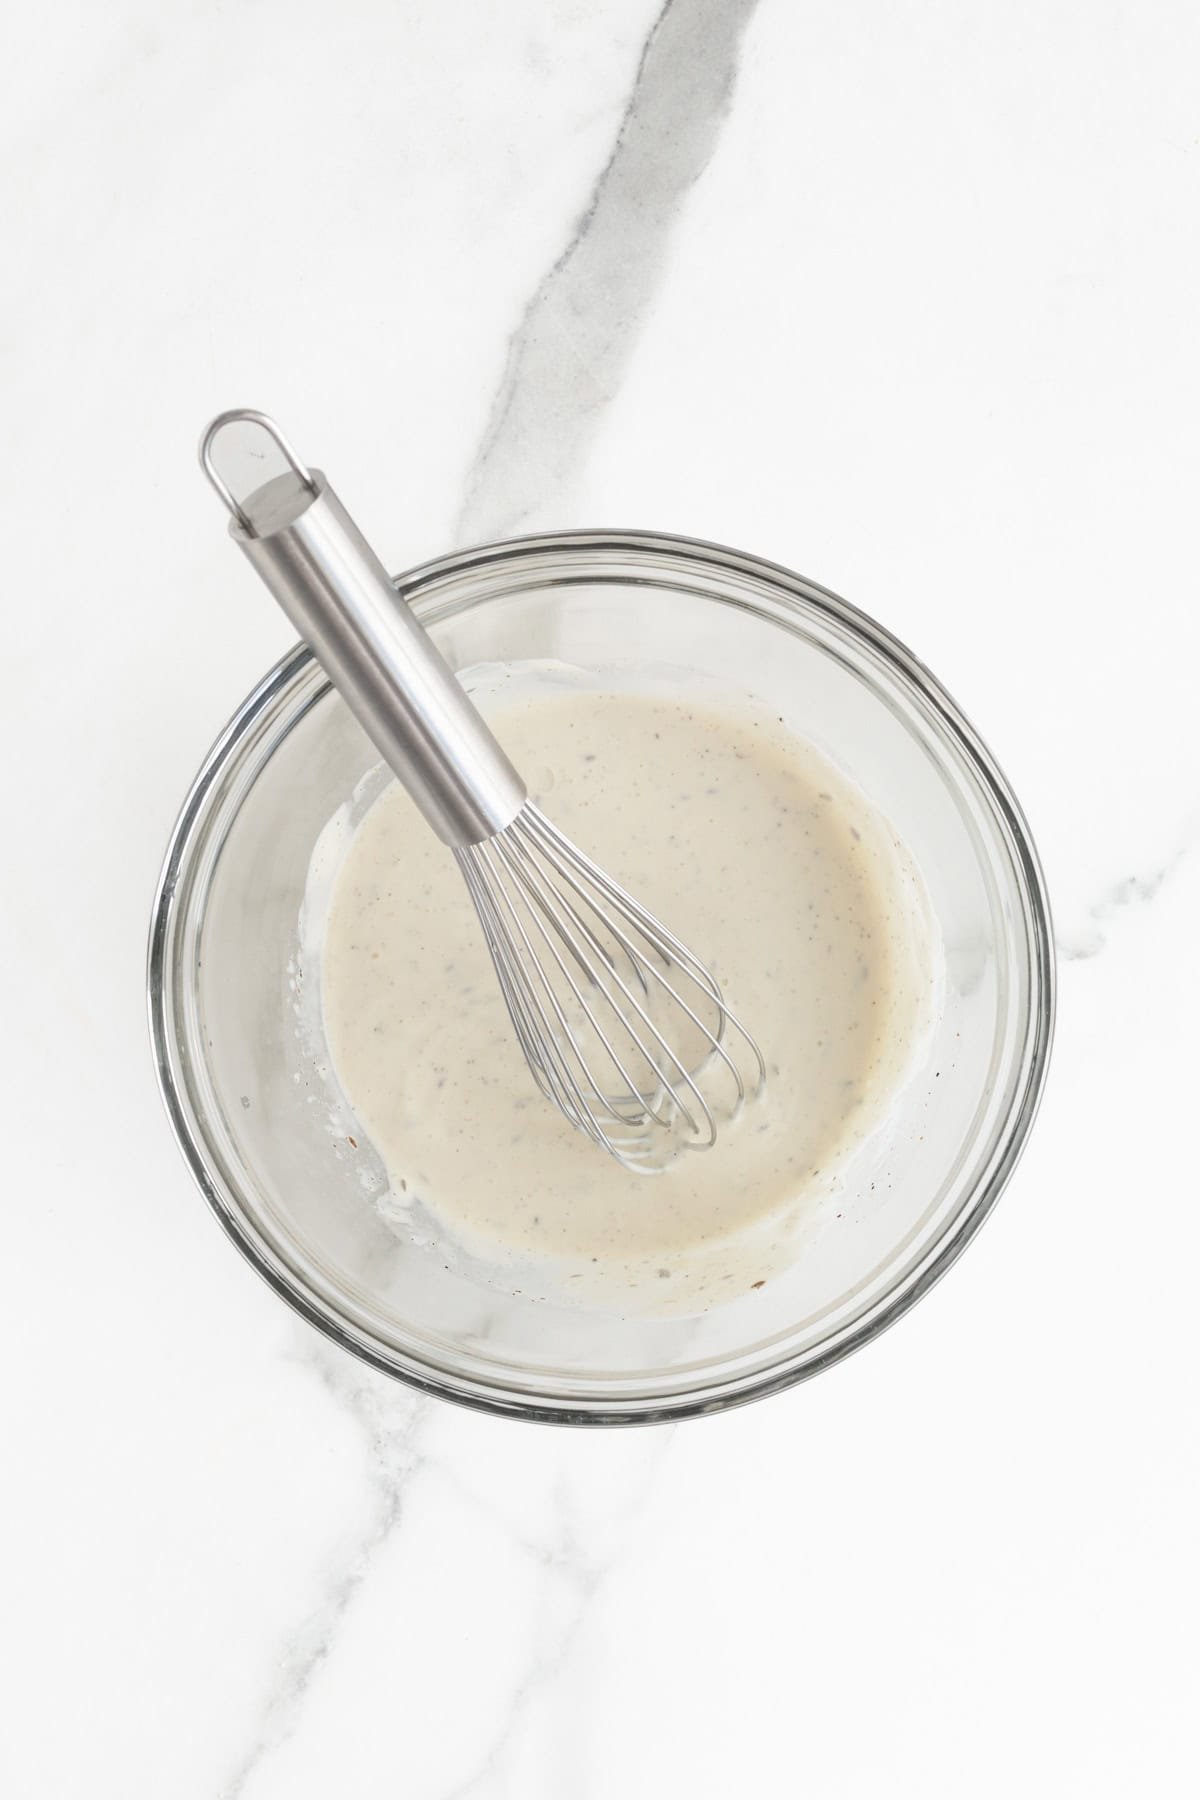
(567,355)
(1090,936)
(392,1418)
(563,1558)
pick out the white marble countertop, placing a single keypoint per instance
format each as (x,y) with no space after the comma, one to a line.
(903,297)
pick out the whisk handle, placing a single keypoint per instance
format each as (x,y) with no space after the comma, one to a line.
(320,568)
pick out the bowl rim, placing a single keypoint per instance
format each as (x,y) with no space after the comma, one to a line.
(716,1396)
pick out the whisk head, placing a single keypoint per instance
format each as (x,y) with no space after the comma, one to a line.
(622,1027)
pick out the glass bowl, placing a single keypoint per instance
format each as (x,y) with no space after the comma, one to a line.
(246,1081)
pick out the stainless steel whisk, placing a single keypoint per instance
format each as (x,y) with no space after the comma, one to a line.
(622,1027)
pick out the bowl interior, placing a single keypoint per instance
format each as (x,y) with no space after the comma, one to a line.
(236,1001)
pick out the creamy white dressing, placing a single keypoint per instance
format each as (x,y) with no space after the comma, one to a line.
(781,877)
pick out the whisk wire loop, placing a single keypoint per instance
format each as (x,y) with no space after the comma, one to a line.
(621,1025)
(547,904)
